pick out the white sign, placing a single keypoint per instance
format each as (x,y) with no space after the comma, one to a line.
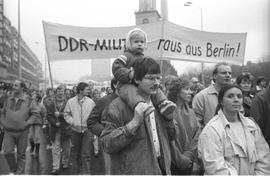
(165,41)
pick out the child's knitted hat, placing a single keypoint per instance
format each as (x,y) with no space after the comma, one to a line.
(133,32)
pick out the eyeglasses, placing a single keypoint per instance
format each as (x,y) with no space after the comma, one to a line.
(153,77)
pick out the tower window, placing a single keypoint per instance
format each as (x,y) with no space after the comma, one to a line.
(145,21)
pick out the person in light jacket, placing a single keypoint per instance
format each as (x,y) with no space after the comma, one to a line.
(231,144)
(205,102)
(76,113)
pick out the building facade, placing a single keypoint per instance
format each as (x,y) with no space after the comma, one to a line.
(31,67)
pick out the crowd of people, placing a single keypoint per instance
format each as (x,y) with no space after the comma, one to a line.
(54,114)
(141,127)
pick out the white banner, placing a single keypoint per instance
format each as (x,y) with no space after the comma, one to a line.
(165,41)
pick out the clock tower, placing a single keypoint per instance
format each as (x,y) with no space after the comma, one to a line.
(147,12)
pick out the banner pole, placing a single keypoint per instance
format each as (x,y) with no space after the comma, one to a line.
(243,63)
(50,73)
(161,51)
(202,65)
(243,66)
(45,71)
(48,59)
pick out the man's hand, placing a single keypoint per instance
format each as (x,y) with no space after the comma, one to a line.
(139,115)
(139,112)
(186,163)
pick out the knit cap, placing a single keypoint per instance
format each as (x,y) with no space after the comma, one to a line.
(133,32)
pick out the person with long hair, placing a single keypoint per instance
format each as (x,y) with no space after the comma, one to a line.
(231,144)
(184,147)
(38,114)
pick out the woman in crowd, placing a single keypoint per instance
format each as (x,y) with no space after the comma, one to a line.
(38,114)
(261,83)
(244,81)
(184,147)
(96,95)
(109,90)
(231,144)
(68,93)
(48,97)
(168,81)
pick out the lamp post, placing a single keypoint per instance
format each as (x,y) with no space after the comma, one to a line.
(189,4)
(45,66)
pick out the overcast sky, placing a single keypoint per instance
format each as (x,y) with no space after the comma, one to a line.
(230,16)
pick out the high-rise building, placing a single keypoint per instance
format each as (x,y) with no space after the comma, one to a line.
(9,67)
(2,64)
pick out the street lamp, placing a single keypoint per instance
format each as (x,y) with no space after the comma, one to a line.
(189,4)
(45,66)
